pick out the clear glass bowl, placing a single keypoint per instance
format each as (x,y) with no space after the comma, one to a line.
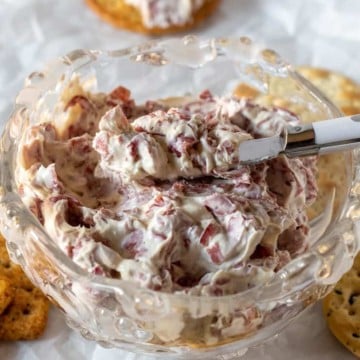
(119,313)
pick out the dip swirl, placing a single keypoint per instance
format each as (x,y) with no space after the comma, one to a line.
(163,14)
(155,194)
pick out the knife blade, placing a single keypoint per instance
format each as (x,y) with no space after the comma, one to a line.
(258,150)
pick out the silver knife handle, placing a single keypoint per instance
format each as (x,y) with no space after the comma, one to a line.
(324,137)
(301,141)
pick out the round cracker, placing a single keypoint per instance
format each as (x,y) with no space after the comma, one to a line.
(23,307)
(6,294)
(10,271)
(341,90)
(342,309)
(26,317)
(125,16)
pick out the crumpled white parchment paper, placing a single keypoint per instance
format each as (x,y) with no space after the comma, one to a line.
(317,32)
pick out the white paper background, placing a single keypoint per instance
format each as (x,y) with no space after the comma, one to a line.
(318,32)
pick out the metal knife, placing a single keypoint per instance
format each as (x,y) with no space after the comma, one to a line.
(303,140)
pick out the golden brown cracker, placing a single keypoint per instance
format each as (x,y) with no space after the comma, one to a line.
(26,317)
(11,271)
(342,309)
(6,294)
(341,90)
(244,90)
(123,15)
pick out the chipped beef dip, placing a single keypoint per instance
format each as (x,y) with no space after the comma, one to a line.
(155,195)
(165,13)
